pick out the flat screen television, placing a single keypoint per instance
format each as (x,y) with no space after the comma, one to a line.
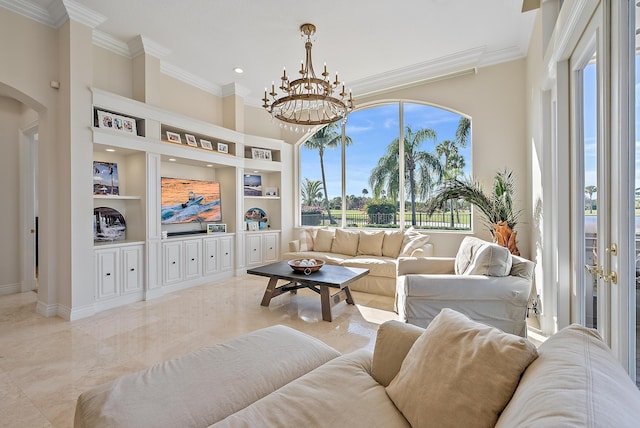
(190,201)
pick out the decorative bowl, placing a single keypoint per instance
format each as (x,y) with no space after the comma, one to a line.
(306,266)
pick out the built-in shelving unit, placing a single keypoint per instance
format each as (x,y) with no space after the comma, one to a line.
(147,155)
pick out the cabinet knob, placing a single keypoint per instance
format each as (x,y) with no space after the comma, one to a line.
(173,263)
(271,248)
(193,260)
(108,273)
(132,269)
(211,256)
(226,254)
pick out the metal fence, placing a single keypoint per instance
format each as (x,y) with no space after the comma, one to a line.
(461,221)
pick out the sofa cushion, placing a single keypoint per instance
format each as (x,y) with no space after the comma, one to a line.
(381,266)
(323,240)
(575,382)
(412,241)
(393,341)
(341,393)
(392,243)
(478,257)
(459,373)
(370,244)
(187,391)
(306,239)
(345,242)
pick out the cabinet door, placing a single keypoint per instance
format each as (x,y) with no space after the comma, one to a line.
(192,252)
(270,247)
(254,249)
(106,270)
(225,255)
(210,262)
(131,269)
(172,258)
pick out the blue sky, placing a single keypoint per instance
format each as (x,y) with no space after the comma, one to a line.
(372,130)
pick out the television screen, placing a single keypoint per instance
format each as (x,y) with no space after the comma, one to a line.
(190,201)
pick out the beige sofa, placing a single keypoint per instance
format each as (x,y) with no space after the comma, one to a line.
(377,251)
(484,281)
(279,377)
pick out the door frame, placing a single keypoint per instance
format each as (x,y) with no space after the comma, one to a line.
(28,160)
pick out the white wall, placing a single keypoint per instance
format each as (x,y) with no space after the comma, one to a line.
(10,113)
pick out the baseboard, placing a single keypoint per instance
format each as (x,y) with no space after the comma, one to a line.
(46,310)
(10,289)
(76,313)
(153,294)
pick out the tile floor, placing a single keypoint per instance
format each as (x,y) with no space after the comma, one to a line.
(45,363)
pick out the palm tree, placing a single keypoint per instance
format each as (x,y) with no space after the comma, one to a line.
(453,164)
(311,192)
(326,138)
(496,207)
(590,190)
(422,169)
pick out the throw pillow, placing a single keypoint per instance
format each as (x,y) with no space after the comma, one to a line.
(392,243)
(345,242)
(370,244)
(306,239)
(412,241)
(459,373)
(478,257)
(324,239)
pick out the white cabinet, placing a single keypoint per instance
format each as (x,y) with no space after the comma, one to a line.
(119,271)
(132,275)
(172,262)
(107,268)
(192,261)
(262,248)
(188,261)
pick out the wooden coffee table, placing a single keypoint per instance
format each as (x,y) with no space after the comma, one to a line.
(320,282)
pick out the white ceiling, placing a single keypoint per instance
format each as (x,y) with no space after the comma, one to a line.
(374,44)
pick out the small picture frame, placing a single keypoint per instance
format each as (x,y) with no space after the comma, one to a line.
(223,148)
(260,154)
(116,122)
(253,226)
(206,144)
(191,140)
(216,228)
(271,191)
(173,137)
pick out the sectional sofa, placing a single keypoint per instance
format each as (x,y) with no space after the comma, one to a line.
(455,373)
(377,251)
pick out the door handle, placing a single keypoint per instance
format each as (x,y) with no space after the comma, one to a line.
(613,249)
(599,273)
(594,270)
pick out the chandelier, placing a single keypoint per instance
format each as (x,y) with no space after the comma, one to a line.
(308,100)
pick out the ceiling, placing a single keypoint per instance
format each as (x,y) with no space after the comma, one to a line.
(373,44)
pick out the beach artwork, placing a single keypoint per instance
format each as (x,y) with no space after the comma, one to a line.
(105,178)
(256,219)
(108,225)
(190,201)
(252,185)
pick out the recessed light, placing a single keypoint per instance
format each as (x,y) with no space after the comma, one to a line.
(209,165)
(172,160)
(109,150)
(238,70)
(256,171)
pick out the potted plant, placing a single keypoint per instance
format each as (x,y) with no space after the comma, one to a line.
(496,206)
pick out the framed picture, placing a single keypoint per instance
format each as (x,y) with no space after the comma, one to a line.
(191,140)
(116,122)
(216,228)
(261,154)
(271,191)
(173,137)
(223,148)
(253,226)
(252,185)
(206,144)
(105,178)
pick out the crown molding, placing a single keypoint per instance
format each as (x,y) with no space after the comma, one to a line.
(142,44)
(110,43)
(500,56)
(189,78)
(418,72)
(82,14)
(57,13)
(235,89)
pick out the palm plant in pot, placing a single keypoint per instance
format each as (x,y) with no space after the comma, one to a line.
(495,206)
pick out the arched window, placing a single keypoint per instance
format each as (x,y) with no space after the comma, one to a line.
(362,183)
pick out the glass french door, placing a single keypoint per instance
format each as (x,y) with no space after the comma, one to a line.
(590,183)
